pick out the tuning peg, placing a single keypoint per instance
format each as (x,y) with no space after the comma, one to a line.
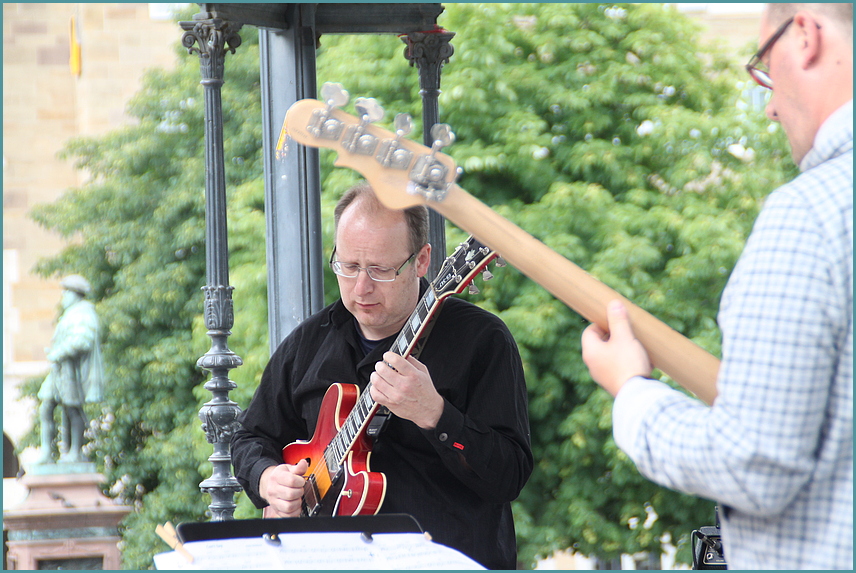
(486,274)
(334,94)
(322,124)
(442,135)
(429,176)
(369,109)
(473,289)
(403,124)
(392,153)
(357,139)
(500,262)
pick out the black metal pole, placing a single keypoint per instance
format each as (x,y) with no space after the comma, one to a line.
(214,37)
(428,51)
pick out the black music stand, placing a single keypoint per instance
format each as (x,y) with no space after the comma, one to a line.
(238,528)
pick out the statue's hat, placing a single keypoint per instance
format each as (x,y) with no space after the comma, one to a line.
(77,284)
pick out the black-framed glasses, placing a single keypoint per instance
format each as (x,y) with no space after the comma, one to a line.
(760,75)
(375,272)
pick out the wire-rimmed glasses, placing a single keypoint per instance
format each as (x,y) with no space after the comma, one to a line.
(376,272)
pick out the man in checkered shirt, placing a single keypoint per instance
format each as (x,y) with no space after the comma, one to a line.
(775,450)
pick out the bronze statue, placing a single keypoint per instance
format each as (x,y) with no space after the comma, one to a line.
(76,376)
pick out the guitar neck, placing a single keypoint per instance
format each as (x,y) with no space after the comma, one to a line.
(687,363)
(366,407)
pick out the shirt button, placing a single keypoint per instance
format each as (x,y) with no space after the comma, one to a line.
(443,437)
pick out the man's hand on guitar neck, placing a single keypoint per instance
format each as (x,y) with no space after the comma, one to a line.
(405,387)
(616,356)
(282,487)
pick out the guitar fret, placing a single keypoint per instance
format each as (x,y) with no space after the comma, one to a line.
(415,322)
(335,450)
(423,313)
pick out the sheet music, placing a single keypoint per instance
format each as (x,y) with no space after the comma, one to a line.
(319,551)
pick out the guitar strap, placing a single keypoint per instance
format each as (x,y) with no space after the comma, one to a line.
(381,417)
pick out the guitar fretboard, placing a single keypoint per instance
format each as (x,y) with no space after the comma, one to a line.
(365,407)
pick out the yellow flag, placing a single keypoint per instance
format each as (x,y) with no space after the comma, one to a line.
(74,59)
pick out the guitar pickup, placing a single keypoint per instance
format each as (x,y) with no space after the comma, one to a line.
(378,422)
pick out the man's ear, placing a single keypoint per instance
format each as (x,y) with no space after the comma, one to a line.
(423,260)
(809,37)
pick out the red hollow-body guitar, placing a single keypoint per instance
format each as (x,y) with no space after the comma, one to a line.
(339,480)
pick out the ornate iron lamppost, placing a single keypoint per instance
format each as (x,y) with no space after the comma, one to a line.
(211,38)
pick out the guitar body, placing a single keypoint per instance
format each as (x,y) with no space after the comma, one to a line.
(355,490)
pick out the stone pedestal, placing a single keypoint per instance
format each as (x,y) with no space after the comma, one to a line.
(65,522)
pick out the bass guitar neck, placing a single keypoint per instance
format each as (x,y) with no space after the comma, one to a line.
(404,173)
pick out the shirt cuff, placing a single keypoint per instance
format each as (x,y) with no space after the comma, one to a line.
(255,477)
(631,407)
(449,428)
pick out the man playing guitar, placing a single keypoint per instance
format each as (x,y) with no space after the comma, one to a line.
(455,451)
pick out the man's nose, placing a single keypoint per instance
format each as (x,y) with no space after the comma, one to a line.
(364,283)
(770,110)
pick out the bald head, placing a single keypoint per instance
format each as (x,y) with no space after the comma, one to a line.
(839,14)
(363,195)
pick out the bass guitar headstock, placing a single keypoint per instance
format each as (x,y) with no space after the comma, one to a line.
(402,173)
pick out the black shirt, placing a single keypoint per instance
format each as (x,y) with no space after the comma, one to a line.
(458,479)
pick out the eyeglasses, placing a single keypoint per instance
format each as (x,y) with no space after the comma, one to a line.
(375,272)
(763,76)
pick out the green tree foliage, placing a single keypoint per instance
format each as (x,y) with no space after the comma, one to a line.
(604,130)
